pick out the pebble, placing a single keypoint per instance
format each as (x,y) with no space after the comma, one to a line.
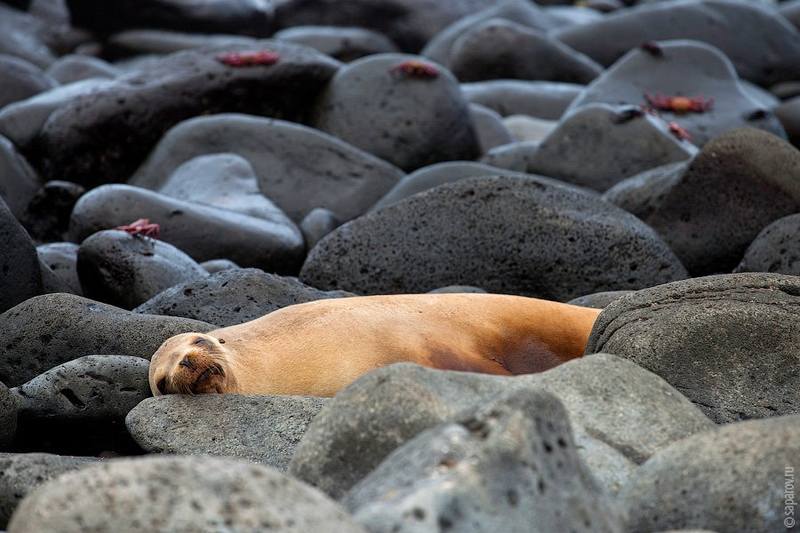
(344,44)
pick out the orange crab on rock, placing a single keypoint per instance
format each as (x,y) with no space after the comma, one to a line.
(141,227)
(679,104)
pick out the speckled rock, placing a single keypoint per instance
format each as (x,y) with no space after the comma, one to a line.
(762,44)
(19,265)
(511,466)
(738,478)
(615,401)
(18,181)
(62,259)
(683,68)
(72,68)
(47,215)
(286,158)
(163,494)
(344,44)
(263,429)
(136,109)
(726,342)
(218,265)
(275,244)
(410,120)
(542,99)
(20,79)
(23,472)
(494,233)
(501,49)
(127,270)
(599,300)
(48,330)
(233,296)
(599,145)
(775,249)
(8,418)
(737,185)
(643,193)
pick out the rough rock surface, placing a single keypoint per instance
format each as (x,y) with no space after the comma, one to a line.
(20,277)
(775,249)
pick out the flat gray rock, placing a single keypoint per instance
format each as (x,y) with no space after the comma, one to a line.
(515,156)
(48,330)
(298,168)
(737,478)
(203,232)
(233,296)
(542,99)
(318,223)
(510,466)
(775,249)
(262,429)
(127,270)
(178,494)
(507,234)
(24,36)
(599,145)
(642,194)
(152,42)
(20,276)
(726,342)
(62,259)
(614,401)
(489,127)
(683,68)
(502,49)
(20,79)
(73,68)
(23,472)
(410,114)
(342,43)
(762,44)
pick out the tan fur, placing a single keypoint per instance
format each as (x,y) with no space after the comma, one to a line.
(320,347)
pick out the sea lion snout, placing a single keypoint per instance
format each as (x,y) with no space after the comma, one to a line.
(188,364)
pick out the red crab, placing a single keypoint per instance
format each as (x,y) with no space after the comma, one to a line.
(678,131)
(679,104)
(142,227)
(413,68)
(249,59)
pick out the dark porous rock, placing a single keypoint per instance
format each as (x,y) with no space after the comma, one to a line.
(202,231)
(263,429)
(20,277)
(599,300)
(233,296)
(20,79)
(623,407)
(18,181)
(47,214)
(740,477)
(8,419)
(409,23)
(72,68)
(775,249)
(344,44)
(286,157)
(515,156)
(509,234)
(318,223)
(458,289)
(501,49)
(247,17)
(542,99)
(618,142)
(79,407)
(432,176)
(127,270)
(687,68)
(643,193)
(23,472)
(736,186)
(153,43)
(489,127)
(22,121)
(410,119)
(178,494)
(727,342)
(49,330)
(762,44)
(510,466)
(527,14)
(218,265)
(221,180)
(62,259)
(789,115)
(116,125)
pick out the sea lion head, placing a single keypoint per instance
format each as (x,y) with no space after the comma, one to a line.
(191,363)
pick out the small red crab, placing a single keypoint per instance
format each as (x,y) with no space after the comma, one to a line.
(414,68)
(679,104)
(249,59)
(141,227)
(678,131)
